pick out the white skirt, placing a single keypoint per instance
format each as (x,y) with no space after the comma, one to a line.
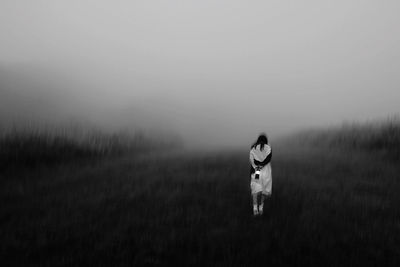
(263,183)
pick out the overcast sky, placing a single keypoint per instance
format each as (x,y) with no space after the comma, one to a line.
(218,72)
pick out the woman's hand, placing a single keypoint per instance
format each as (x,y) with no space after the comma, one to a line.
(264,162)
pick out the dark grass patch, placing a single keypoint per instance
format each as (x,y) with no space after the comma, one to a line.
(28,149)
(196,210)
(379,137)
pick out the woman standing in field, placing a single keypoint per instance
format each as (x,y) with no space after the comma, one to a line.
(260,173)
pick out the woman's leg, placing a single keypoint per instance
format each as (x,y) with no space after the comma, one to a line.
(261,207)
(263,197)
(255,203)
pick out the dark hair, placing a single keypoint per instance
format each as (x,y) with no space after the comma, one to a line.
(261,140)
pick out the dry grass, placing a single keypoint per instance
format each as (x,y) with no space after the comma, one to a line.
(47,147)
(376,137)
(328,208)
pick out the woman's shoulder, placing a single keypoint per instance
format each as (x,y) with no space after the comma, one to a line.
(266,148)
(253,151)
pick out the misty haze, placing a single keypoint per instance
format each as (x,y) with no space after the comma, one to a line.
(126,129)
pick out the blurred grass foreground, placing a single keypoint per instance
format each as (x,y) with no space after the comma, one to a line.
(335,202)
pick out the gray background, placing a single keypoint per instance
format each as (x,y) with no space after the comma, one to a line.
(217,72)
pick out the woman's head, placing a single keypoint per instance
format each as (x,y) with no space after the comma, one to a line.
(261,140)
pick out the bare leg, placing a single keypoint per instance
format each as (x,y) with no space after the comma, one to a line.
(255,198)
(263,197)
(255,203)
(261,207)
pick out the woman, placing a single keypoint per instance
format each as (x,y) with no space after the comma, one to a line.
(260,172)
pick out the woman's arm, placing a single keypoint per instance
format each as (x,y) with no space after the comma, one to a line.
(265,161)
(252,161)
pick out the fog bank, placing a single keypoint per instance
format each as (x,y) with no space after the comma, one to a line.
(216,72)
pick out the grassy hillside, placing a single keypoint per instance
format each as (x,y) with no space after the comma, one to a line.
(381,137)
(27,148)
(328,208)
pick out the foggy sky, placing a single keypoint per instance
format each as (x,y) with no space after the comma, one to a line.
(218,72)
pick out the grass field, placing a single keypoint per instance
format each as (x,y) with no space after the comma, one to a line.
(331,206)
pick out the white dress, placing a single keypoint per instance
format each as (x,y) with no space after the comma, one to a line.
(264,183)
